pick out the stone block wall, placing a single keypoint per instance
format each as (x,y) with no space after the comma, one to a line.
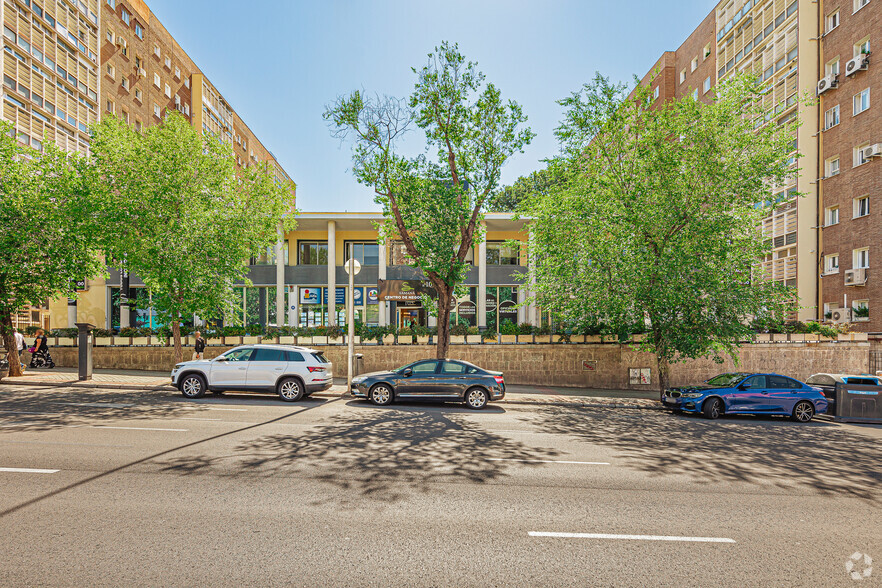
(541,365)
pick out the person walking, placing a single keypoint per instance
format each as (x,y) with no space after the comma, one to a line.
(199,346)
(19,345)
(40,351)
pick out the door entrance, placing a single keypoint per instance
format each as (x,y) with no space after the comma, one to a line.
(410,317)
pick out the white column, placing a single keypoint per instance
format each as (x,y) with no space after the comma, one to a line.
(532,311)
(293,310)
(482,281)
(280,278)
(332,273)
(384,321)
(522,310)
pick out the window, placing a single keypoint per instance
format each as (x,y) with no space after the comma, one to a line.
(138,95)
(177,73)
(124,82)
(110,106)
(858,155)
(655,93)
(156,80)
(139,31)
(187,109)
(858,4)
(111,3)
(695,94)
(110,70)
(239,354)
(860,310)
(125,115)
(294,356)
(754,382)
(139,63)
(707,85)
(269,354)
(500,253)
(861,206)
(862,47)
(861,101)
(156,50)
(138,124)
(831,264)
(124,15)
(367,253)
(832,216)
(682,76)
(425,367)
(167,91)
(168,62)
(832,67)
(109,36)
(187,82)
(861,258)
(832,167)
(832,21)
(312,253)
(694,63)
(831,117)
(268,256)
(156,112)
(707,51)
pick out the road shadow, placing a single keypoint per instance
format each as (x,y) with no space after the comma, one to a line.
(757,451)
(38,408)
(376,452)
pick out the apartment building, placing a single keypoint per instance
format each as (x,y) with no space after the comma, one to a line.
(68,63)
(849,90)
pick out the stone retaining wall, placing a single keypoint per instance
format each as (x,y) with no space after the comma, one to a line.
(549,365)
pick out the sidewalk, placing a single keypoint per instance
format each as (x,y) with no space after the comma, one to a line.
(515,394)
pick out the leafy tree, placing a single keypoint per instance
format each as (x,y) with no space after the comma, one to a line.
(185,221)
(47,237)
(434,203)
(658,219)
(509,198)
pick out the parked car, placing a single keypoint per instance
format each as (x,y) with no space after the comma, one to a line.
(826,383)
(289,371)
(432,379)
(743,393)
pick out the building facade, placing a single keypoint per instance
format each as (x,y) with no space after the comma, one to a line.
(292,284)
(68,63)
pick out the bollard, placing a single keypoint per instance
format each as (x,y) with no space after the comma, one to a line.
(85,343)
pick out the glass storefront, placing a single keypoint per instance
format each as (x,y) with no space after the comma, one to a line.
(313,306)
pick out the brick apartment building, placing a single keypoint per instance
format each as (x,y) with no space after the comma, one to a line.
(68,63)
(792,46)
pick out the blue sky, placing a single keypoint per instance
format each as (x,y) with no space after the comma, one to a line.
(280,62)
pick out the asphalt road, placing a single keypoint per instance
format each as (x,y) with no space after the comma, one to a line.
(106,488)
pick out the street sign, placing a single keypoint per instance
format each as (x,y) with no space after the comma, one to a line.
(355,264)
(589,365)
(404,290)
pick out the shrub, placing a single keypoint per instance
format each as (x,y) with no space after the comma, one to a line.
(459,330)
(66,332)
(508,328)
(525,329)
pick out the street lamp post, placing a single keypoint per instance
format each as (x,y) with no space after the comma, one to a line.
(352,268)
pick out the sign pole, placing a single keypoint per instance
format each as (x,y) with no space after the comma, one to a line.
(352,268)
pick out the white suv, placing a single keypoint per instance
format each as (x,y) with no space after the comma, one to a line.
(291,372)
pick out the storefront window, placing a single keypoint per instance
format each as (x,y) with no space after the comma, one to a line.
(501,306)
(367,253)
(466,312)
(312,253)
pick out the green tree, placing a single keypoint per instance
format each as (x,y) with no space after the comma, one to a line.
(184,220)
(509,198)
(658,220)
(47,236)
(434,203)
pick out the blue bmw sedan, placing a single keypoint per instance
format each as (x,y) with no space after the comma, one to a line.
(742,393)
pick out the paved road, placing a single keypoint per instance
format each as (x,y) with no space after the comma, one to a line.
(152,489)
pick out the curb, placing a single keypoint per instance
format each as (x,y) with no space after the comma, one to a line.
(99,385)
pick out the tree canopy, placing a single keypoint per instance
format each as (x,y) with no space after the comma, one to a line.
(434,203)
(658,219)
(510,198)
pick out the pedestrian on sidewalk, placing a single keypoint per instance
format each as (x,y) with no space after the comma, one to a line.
(199,346)
(40,351)
(19,345)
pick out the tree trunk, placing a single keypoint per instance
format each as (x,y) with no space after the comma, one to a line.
(9,343)
(176,334)
(443,342)
(663,375)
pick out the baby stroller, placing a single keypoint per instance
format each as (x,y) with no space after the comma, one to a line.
(42,360)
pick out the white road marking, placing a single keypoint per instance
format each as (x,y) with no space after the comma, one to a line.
(548,461)
(96,404)
(138,428)
(62,443)
(195,419)
(201,406)
(27,471)
(632,537)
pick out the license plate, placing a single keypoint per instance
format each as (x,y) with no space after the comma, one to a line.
(671,401)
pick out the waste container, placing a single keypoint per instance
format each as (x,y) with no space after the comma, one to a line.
(359,364)
(858,403)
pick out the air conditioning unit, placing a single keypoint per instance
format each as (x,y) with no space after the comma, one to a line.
(141,72)
(858,63)
(872,151)
(855,277)
(840,315)
(827,82)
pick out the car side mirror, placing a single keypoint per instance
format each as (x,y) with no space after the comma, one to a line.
(221,358)
(742,387)
(407,373)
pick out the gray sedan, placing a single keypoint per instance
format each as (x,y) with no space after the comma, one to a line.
(448,380)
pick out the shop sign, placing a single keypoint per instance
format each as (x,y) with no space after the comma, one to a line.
(639,376)
(589,365)
(467,309)
(79,285)
(358,296)
(404,290)
(339,296)
(310,295)
(490,301)
(373,296)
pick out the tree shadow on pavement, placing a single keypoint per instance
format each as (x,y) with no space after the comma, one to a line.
(36,408)
(381,453)
(760,451)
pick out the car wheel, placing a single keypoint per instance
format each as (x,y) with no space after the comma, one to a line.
(193,386)
(381,395)
(803,412)
(712,408)
(290,390)
(476,398)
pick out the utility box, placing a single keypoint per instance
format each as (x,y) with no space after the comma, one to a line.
(85,342)
(858,403)
(359,364)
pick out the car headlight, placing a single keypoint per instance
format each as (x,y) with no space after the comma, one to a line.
(358,380)
(179,366)
(692,395)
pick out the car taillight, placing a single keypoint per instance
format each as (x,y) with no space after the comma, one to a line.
(315,368)
(499,380)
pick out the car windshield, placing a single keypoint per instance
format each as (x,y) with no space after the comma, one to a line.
(725,380)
